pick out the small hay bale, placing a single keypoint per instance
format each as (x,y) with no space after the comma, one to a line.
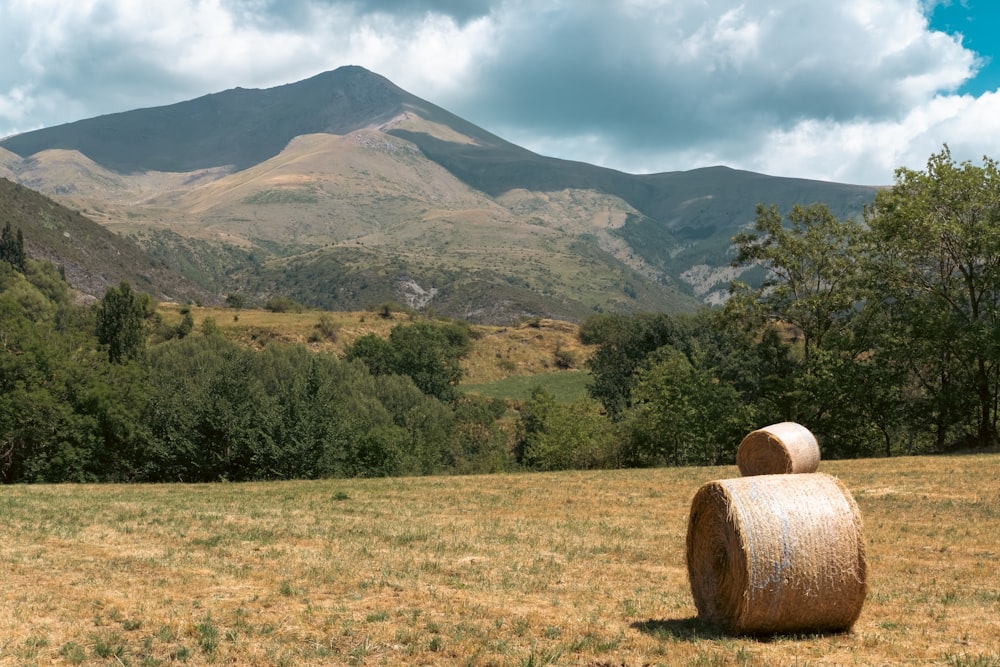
(778,449)
(777,554)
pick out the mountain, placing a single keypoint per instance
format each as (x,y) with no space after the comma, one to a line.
(344,191)
(91,257)
(237,127)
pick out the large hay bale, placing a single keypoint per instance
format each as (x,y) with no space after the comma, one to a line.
(778,449)
(777,554)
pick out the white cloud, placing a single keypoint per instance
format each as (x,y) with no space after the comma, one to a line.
(844,90)
(870,151)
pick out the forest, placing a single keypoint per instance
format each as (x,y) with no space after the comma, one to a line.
(880,334)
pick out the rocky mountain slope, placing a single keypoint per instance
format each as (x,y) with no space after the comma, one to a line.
(91,258)
(344,191)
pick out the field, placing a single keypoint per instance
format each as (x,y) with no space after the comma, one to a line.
(577,568)
(566,387)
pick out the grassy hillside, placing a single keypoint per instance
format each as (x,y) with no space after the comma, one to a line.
(566,387)
(579,568)
(92,258)
(537,346)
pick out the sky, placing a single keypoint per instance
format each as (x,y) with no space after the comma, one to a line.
(844,91)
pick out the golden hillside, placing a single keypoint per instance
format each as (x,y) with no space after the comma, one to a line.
(498,352)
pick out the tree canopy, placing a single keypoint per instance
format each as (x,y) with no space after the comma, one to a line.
(879,334)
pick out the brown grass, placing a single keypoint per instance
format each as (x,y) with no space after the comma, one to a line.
(497,352)
(582,568)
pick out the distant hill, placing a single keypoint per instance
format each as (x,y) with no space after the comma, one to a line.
(92,258)
(343,191)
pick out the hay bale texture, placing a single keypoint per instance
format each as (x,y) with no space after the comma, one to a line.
(778,449)
(777,554)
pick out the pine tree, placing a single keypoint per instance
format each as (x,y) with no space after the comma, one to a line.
(120,316)
(12,247)
(19,254)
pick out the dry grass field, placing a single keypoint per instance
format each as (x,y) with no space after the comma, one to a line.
(577,568)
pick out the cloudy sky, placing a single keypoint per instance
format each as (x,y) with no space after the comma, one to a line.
(845,91)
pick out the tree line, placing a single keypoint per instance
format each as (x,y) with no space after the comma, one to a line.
(879,334)
(109,393)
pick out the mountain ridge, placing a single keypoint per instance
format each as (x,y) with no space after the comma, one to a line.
(344,190)
(341,101)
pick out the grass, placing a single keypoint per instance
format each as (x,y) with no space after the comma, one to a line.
(576,568)
(567,387)
(519,354)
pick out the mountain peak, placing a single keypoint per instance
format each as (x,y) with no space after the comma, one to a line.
(238,127)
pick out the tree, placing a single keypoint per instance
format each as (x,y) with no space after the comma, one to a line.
(375,352)
(815,296)
(283,304)
(683,415)
(480,442)
(120,322)
(624,342)
(811,267)
(186,325)
(430,354)
(934,247)
(12,247)
(23,297)
(561,436)
(235,300)
(66,413)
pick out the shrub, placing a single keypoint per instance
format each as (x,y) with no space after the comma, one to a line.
(559,436)
(565,359)
(325,329)
(283,304)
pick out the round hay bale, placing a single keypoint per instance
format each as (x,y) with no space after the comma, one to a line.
(778,449)
(776,554)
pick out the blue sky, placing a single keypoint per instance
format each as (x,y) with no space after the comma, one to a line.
(844,91)
(978,21)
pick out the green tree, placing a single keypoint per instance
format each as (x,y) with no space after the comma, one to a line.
(934,248)
(428,423)
(210,414)
(561,436)
(428,353)
(23,298)
(236,301)
(683,415)
(815,297)
(66,413)
(431,355)
(751,358)
(375,352)
(624,342)
(186,325)
(480,443)
(12,247)
(45,276)
(811,269)
(284,304)
(120,322)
